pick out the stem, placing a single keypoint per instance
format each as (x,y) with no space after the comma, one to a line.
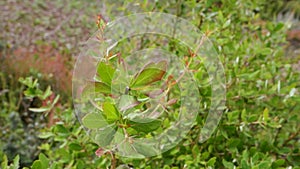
(190,61)
(291,138)
(95,104)
(113,160)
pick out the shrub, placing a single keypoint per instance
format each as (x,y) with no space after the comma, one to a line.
(260,126)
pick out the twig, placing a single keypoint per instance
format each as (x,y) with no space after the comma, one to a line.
(291,138)
(20,97)
(113,160)
(4,91)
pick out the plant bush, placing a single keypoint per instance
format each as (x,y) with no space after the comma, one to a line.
(259,128)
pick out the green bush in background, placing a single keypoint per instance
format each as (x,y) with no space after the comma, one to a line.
(259,129)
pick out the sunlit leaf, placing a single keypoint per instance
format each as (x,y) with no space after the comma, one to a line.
(145,125)
(126,102)
(105,73)
(95,88)
(94,121)
(127,149)
(37,165)
(4,162)
(55,100)
(105,136)
(44,160)
(75,147)
(266,114)
(45,135)
(39,110)
(47,93)
(212,161)
(16,164)
(110,111)
(144,149)
(227,164)
(151,73)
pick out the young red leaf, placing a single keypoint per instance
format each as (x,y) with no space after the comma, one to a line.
(99,152)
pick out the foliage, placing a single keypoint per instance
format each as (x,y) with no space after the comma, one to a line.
(22,114)
(260,127)
(274,7)
(49,65)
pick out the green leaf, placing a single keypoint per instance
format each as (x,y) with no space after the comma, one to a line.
(54,165)
(244,115)
(45,135)
(266,114)
(227,164)
(265,51)
(94,121)
(264,164)
(151,73)
(37,165)
(75,146)
(47,93)
(55,100)
(40,110)
(245,155)
(126,102)
(110,111)
(226,24)
(209,3)
(32,92)
(105,73)
(45,108)
(80,164)
(64,155)
(127,149)
(278,163)
(44,160)
(105,136)
(211,162)
(100,87)
(4,162)
(145,149)
(16,162)
(244,164)
(95,88)
(145,125)
(278,27)
(28,81)
(255,158)
(124,147)
(195,150)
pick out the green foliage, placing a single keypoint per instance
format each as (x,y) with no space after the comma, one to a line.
(94,121)
(259,129)
(151,73)
(21,118)
(123,116)
(105,73)
(33,91)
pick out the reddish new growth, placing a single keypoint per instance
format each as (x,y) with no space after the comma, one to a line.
(101,22)
(99,152)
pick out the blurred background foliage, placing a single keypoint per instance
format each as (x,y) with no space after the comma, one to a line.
(258,42)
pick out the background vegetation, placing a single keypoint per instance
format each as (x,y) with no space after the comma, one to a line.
(258,43)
